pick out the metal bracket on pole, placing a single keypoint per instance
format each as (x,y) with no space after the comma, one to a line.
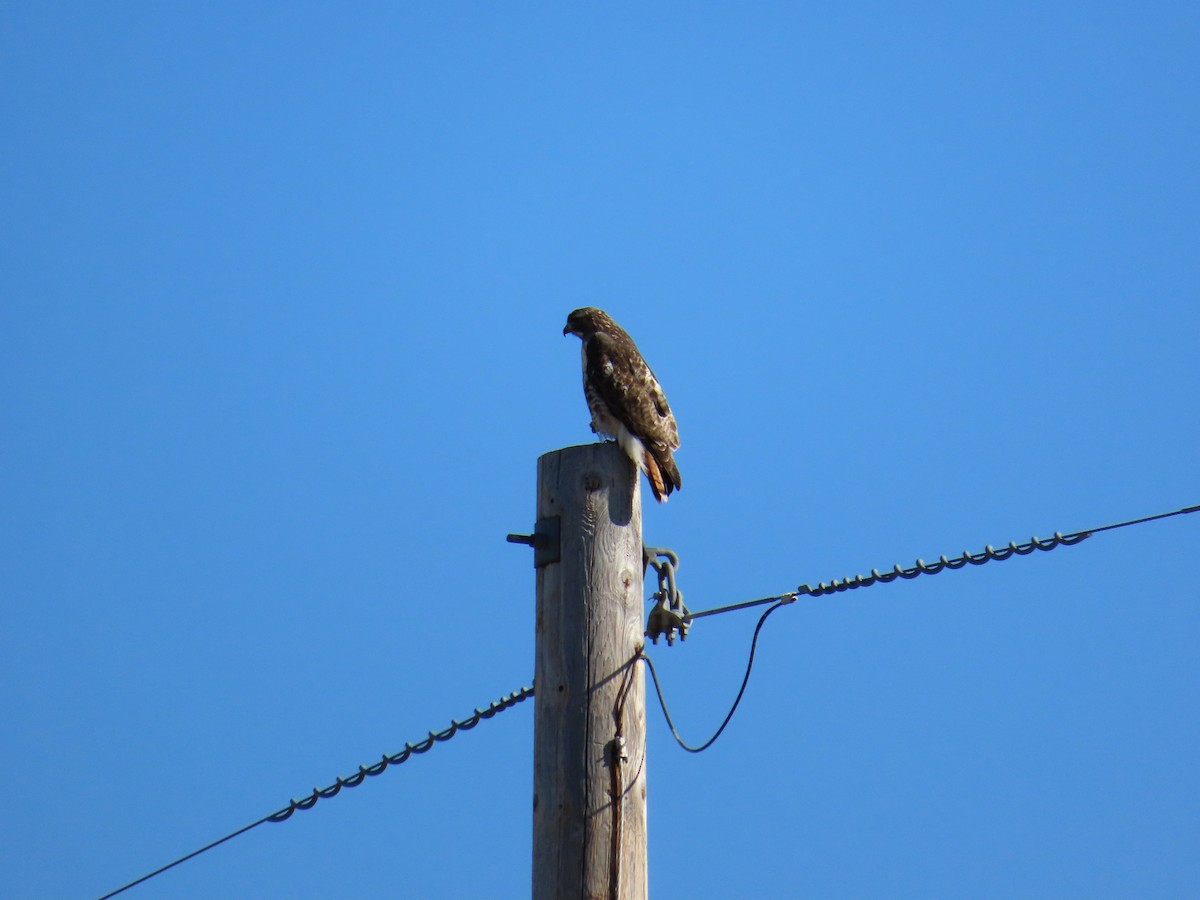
(545,541)
(669,614)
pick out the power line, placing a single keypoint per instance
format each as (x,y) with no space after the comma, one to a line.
(672,615)
(354,780)
(395,759)
(988,554)
(184,859)
(667,576)
(1156,516)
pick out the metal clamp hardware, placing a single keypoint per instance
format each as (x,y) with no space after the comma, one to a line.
(545,541)
(669,614)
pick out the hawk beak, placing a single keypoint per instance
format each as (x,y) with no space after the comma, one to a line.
(566,330)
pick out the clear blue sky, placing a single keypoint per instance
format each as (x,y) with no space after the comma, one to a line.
(283,289)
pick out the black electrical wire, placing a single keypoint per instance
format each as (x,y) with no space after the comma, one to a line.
(184,859)
(354,780)
(742,690)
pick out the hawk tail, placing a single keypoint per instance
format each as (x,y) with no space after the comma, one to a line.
(662,473)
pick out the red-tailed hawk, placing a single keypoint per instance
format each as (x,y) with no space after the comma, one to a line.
(626,400)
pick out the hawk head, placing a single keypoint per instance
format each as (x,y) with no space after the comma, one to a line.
(588,321)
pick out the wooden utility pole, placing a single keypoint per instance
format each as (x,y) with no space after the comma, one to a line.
(589,745)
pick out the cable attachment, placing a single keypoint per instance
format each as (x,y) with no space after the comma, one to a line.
(669,614)
(617,753)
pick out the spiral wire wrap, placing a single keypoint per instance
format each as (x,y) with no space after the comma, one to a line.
(680,618)
(354,780)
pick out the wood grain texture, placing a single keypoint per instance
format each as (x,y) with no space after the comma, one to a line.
(588,686)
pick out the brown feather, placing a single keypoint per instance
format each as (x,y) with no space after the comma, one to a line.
(656,480)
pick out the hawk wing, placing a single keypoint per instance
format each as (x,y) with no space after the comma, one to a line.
(627,386)
(631,394)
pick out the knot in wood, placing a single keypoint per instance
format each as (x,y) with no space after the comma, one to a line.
(592,482)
